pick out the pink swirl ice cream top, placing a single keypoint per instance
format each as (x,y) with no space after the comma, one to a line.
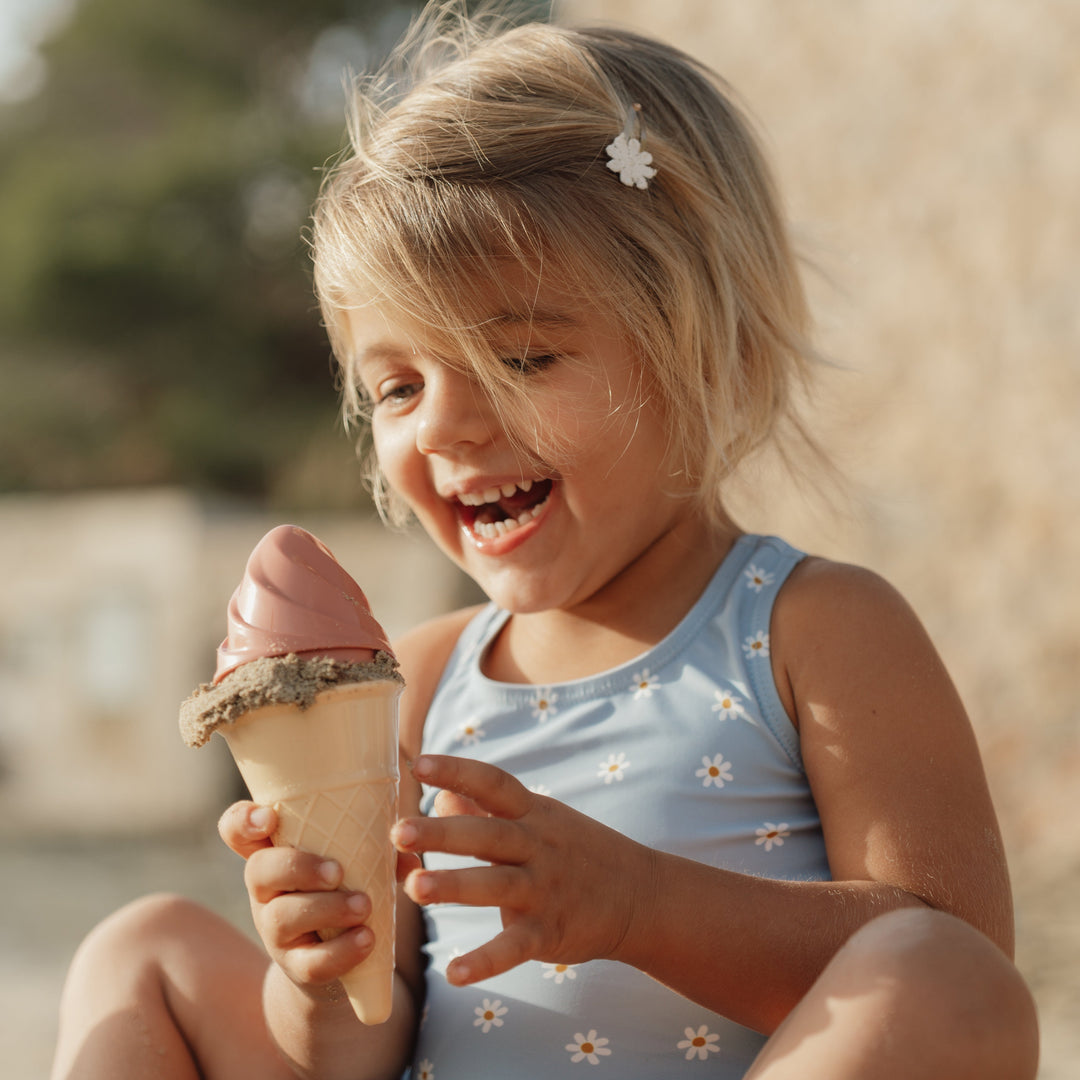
(296,598)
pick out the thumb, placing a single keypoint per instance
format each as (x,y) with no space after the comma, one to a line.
(246,828)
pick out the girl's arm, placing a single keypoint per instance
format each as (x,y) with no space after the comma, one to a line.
(900,789)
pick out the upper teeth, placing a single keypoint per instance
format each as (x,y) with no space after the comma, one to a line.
(493,494)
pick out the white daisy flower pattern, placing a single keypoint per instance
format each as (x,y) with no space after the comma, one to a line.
(644,684)
(614,768)
(559,972)
(757,645)
(757,578)
(630,161)
(426,1071)
(728,705)
(489,1015)
(699,1044)
(543,705)
(588,1048)
(470,733)
(772,835)
(716,771)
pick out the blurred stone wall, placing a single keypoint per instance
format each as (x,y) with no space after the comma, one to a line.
(929,152)
(110,611)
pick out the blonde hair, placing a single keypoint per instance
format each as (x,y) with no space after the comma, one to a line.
(482,141)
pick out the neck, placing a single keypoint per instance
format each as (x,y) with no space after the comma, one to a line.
(636,609)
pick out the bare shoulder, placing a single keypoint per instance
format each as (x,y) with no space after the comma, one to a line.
(838,619)
(422,654)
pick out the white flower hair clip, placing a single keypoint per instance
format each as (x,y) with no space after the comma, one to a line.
(628,159)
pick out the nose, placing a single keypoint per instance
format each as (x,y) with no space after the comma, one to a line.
(453,414)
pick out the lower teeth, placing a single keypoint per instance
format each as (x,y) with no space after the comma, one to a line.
(489,530)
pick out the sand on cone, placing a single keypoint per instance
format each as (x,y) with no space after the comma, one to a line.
(330,771)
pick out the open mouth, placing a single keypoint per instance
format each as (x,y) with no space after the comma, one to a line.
(497,511)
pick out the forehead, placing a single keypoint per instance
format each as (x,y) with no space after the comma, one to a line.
(513,309)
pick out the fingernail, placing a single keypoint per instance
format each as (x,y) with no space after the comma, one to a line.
(358,903)
(423,886)
(259,819)
(364,937)
(458,971)
(406,834)
(330,872)
(422,767)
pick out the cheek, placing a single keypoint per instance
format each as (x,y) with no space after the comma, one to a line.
(396,454)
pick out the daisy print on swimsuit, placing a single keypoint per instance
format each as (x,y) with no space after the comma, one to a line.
(715,771)
(470,733)
(757,578)
(772,835)
(614,768)
(589,1047)
(425,1070)
(757,645)
(728,705)
(559,973)
(699,1044)
(643,684)
(489,1014)
(543,704)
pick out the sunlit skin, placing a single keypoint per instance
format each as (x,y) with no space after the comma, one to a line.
(615,543)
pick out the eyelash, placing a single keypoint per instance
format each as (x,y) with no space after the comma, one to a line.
(397,394)
(529,365)
(520,365)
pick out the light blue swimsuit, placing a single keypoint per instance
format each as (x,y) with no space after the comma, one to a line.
(687,749)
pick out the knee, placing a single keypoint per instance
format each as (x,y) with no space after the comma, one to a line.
(948,980)
(133,938)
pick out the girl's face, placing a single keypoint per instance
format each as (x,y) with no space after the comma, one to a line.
(545,519)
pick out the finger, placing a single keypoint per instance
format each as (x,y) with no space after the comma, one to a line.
(296,918)
(513,946)
(246,827)
(321,962)
(490,788)
(275,870)
(476,886)
(406,864)
(491,839)
(450,804)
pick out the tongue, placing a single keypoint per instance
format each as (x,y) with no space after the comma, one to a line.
(512,506)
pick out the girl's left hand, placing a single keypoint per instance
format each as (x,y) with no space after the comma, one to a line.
(568,888)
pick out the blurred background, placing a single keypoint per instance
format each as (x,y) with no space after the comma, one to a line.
(166,395)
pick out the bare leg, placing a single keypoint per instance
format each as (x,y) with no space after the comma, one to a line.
(165,990)
(914,993)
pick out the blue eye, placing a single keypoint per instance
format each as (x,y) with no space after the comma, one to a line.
(398,395)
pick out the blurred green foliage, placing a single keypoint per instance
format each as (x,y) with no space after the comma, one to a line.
(157,323)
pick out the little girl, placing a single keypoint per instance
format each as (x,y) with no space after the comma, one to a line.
(679,798)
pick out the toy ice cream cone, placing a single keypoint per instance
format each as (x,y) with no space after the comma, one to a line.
(306,694)
(330,772)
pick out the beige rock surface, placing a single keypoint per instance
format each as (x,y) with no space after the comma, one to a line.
(930,156)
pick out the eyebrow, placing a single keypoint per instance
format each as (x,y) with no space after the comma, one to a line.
(381,350)
(541,318)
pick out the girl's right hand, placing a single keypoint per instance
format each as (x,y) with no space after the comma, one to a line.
(294,895)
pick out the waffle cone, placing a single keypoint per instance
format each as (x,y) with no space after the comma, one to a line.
(330,772)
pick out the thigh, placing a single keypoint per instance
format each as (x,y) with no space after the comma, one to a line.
(913,993)
(212,985)
(166,988)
